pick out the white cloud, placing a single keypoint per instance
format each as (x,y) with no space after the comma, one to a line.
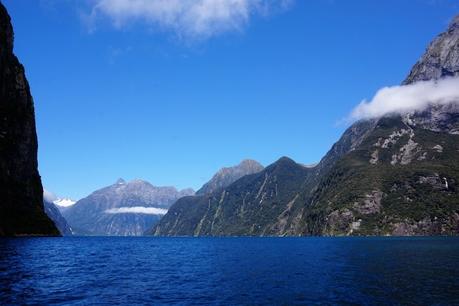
(48,196)
(137,210)
(407,98)
(189,19)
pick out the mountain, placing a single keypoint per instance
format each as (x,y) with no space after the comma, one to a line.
(64,202)
(441,58)
(54,214)
(122,209)
(392,175)
(21,198)
(61,203)
(228,175)
(256,204)
(401,179)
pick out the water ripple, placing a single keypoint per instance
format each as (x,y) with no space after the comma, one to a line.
(235,271)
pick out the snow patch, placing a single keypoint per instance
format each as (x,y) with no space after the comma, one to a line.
(48,196)
(64,202)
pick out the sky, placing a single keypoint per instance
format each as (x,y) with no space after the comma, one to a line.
(171,91)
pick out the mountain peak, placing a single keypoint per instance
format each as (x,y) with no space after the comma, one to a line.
(6,30)
(228,175)
(285,160)
(138,181)
(283,163)
(250,164)
(441,58)
(454,24)
(64,202)
(120,181)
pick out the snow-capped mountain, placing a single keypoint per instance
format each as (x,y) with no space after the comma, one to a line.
(54,212)
(64,202)
(122,209)
(61,203)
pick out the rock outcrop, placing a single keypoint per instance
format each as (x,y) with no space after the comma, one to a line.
(21,195)
(441,58)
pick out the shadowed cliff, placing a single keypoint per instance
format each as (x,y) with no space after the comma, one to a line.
(21,193)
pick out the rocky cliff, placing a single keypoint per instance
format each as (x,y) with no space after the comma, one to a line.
(441,58)
(21,198)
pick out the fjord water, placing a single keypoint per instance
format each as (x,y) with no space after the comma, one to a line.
(235,271)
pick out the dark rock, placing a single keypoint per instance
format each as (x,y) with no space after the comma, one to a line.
(21,195)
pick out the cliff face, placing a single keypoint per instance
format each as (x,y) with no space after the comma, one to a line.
(441,58)
(21,195)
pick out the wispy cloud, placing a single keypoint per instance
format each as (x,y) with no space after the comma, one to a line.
(407,98)
(188,19)
(48,196)
(137,210)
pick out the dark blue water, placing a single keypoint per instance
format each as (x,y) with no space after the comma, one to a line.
(234,271)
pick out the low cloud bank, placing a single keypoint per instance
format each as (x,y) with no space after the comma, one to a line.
(137,210)
(407,98)
(192,19)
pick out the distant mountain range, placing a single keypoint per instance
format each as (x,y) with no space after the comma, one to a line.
(132,208)
(122,209)
(392,175)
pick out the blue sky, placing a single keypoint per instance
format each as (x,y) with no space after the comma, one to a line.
(136,94)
